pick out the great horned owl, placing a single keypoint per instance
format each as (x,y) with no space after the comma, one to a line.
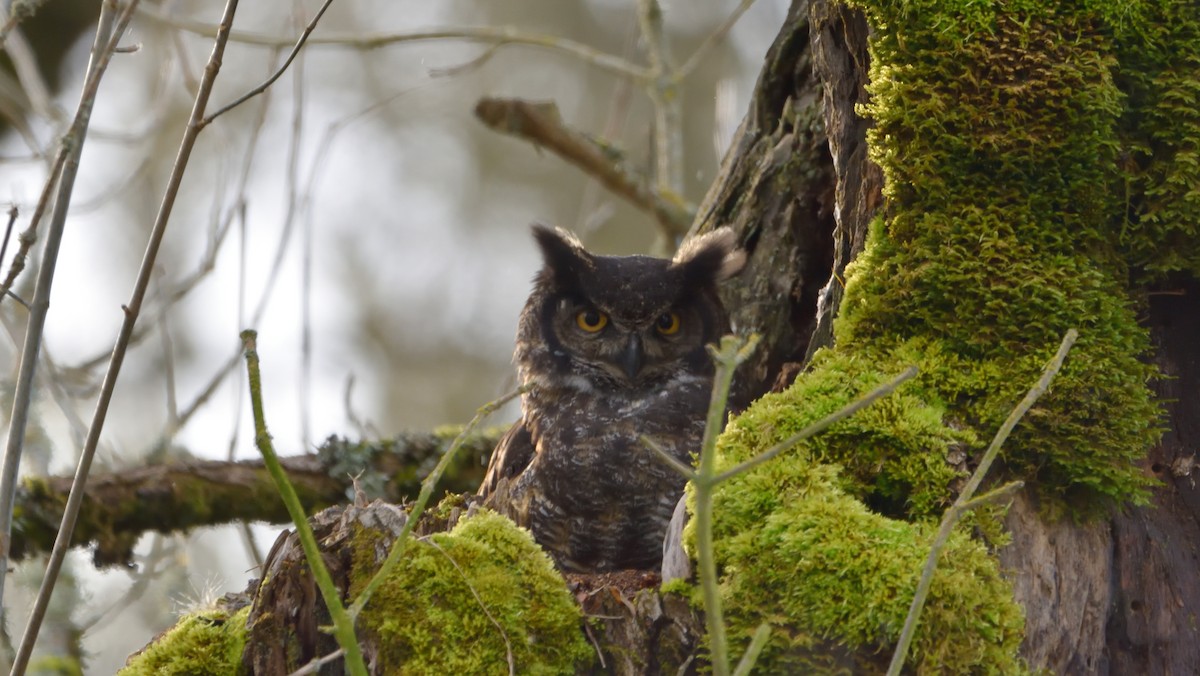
(610,348)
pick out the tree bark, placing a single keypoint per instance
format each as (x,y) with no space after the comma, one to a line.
(119,507)
(776,188)
(1153,626)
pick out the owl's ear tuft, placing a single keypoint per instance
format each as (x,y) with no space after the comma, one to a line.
(711,257)
(562,253)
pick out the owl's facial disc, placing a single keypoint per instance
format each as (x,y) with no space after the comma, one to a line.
(621,349)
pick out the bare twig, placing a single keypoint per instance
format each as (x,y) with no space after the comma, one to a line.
(219,230)
(728,356)
(315,665)
(148,570)
(682,469)
(757,643)
(541,124)
(343,622)
(663,89)
(20,12)
(50,377)
(106,39)
(28,236)
(821,425)
(497,35)
(132,309)
(274,76)
(12,220)
(965,502)
(712,39)
(295,204)
(427,486)
(592,212)
(24,61)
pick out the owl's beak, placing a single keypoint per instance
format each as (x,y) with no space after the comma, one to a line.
(631,357)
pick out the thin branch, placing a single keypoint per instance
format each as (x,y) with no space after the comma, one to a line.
(821,425)
(12,220)
(343,622)
(146,571)
(728,356)
(219,230)
(315,665)
(24,62)
(295,202)
(278,72)
(74,501)
(712,39)
(663,89)
(992,496)
(757,643)
(427,486)
(541,124)
(960,506)
(592,212)
(28,236)
(671,461)
(50,377)
(68,163)
(497,35)
(20,12)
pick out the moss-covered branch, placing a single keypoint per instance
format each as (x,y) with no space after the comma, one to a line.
(120,506)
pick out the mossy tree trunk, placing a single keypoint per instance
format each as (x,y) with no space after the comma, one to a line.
(1102,595)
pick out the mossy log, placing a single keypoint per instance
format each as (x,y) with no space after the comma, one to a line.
(119,507)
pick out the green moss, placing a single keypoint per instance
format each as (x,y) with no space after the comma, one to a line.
(999,133)
(819,565)
(206,642)
(55,665)
(461,602)
(893,452)
(798,548)
(1158,46)
(1037,157)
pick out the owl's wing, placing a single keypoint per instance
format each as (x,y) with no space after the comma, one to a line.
(512,455)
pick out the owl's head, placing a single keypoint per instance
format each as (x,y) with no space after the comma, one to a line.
(626,321)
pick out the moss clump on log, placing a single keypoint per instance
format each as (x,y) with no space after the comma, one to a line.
(801,552)
(208,642)
(465,601)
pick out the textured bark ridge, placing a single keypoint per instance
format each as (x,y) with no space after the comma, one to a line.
(1121,596)
(1154,622)
(776,189)
(1061,575)
(287,613)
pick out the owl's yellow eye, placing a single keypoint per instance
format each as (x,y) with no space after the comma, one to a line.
(667,324)
(591,320)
